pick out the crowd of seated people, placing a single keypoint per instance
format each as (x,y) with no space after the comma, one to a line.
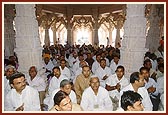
(84,78)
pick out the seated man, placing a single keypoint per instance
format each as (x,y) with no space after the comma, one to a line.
(21,97)
(96,97)
(62,102)
(65,86)
(131,101)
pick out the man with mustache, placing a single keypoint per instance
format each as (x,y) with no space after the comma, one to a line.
(22,97)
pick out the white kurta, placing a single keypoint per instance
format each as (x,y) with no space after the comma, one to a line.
(113,66)
(72,96)
(38,83)
(95,66)
(100,73)
(144,93)
(99,102)
(29,96)
(112,81)
(55,83)
(150,83)
(65,72)
(7,87)
(160,82)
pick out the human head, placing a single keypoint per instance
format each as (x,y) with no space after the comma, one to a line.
(131,101)
(56,71)
(9,70)
(62,102)
(46,60)
(98,57)
(120,71)
(137,79)
(33,72)
(94,83)
(147,63)
(63,63)
(86,71)
(82,63)
(116,57)
(17,81)
(160,60)
(66,86)
(161,67)
(145,72)
(103,63)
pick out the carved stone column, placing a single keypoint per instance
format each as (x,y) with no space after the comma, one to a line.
(69,26)
(95,27)
(9,33)
(133,44)
(153,36)
(118,26)
(54,29)
(28,47)
(110,34)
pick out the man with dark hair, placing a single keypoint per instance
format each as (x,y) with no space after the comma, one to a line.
(114,84)
(152,88)
(21,97)
(131,101)
(137,83)
(62,102)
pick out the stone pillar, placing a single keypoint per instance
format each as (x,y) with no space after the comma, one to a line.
(153,36)
(133,44)
(117,40)
(69,26)
(110,34)
(95,27)
(28,47)
(54,29)
(118,26)
(47,38)
(9,33)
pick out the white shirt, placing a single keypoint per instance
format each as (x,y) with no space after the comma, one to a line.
(160,82)
(100,73)
(113,66)
(150,83)
(29,96)
(49,66)
(144,94)
(38,83)
(112,81)
(99,102)
(55,83)
(95,66)
(7,87)
(65,72)
(72,96)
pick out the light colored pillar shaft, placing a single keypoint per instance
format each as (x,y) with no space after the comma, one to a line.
(28,47)
(133,44)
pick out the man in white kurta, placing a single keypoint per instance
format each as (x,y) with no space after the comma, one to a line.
(115,63)
(137,85)
(72,96)
(21,97)
(54,83)
(96,63)
(64,70)
(114,84)
(56,80)
(103,72)
(95,97)
(9,70)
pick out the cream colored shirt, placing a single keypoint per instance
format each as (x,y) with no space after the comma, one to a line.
(81,83)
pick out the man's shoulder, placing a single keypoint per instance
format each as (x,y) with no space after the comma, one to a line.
(76,107)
